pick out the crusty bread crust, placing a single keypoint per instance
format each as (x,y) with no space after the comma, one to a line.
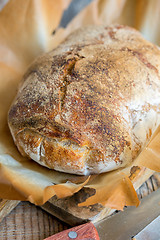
(90,105)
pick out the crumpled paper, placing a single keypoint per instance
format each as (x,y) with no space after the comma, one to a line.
(26,28)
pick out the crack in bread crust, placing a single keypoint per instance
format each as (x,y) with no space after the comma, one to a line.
(66,78)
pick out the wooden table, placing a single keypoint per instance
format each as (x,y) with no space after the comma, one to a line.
(29,222)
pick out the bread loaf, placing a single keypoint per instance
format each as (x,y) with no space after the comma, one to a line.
(90,105)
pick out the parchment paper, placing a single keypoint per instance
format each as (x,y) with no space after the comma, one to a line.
(25,33)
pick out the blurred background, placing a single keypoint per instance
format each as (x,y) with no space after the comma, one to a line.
(143,15)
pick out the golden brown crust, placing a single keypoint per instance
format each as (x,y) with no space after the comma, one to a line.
(90,105)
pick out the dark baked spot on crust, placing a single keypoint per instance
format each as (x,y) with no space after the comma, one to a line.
(112,34)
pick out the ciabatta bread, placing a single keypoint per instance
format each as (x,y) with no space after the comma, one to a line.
(90,105)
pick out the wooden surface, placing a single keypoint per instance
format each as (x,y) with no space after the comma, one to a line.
(28,222)
(6,206)
(32,223)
